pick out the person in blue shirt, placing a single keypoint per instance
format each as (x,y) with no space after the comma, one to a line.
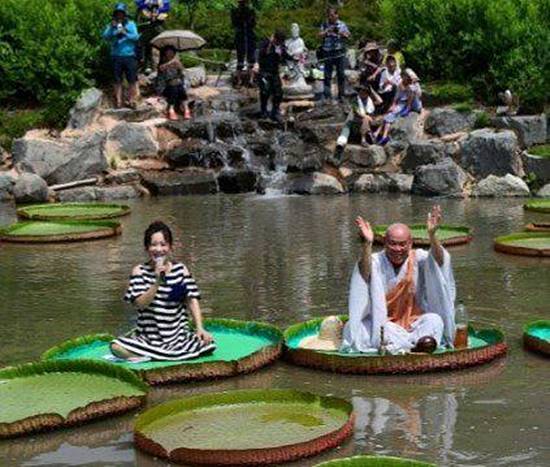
(334,34)
(151,16)
(123,36)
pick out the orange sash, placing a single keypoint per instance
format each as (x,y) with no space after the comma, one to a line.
(401,301)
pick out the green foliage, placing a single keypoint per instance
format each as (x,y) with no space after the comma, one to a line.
(533,182)
(493,44)
(542,151)
(463,107)
(442,93)
(14,124)
(482,120)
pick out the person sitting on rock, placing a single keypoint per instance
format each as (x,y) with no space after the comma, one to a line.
(170,83)
(151,16)
(407,100)
(123,36)
(389,82)
(272,54)
(405,295)
(371,65)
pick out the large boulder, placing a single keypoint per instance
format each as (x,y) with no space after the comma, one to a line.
(445,121)
(61,160)
(195,76)
(376,183)
(188,182)
(400,183)
(366,156)
(80,195)
(132,140)
(319,132)
(407,129)
(117,177)
(494,186)
(544,192)
(316,183)
(30,188)
(6,186)
(538,166)
(422,152)
(443,178)
(85,109)
(292,154)
(489,152)
(237,181)
(531,129)
(98,193)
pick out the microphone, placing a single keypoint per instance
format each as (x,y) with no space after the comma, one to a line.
(159,262)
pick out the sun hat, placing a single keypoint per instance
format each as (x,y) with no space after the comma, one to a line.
(120,6)
(412,75)
(329,337)
(371,46)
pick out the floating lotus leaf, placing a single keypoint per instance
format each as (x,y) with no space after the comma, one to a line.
(374,461)
(536,336)
(255,427)
(59,231)
(538,205)
(538,227)
(242,347)
(43,396)
(448,235)
(72,211)
(484,345)
(524,243)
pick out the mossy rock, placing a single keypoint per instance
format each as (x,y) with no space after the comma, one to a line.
(538,205)
(73,211)
(374,461)
(484,345)
(536,336)
(261,426)
(242,347)
(448,235)
(44,396)
(524,244)
(59,231)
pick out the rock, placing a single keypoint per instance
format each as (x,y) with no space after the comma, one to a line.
(195,76)
(421,153)
(489,152)
(371,183)
(81,194)
(85,109)
(316,183)
(509,185)
(292,154)
(6,186)
(538,166)
(326,112)
(218,125)
(544,192)
(401,183)
(407,129)
(144,111)
(131,140)
(97,193)
(30,188)
(237,181)
(445,121)
(319,132)
(186,154)
(366,156)
(119,177)
(63,160)
(189,182)
(530,129)
(442,178)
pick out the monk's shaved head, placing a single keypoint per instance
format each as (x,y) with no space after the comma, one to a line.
(400,231)
(398,243)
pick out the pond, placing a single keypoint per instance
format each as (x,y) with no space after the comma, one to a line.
(284,259)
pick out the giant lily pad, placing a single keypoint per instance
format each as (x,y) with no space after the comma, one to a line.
(244,427)
(448,235)
(43,396)
(59,231)
(242,347)
(536,336)
(524,243)
(72,211)
(484,345)
(538,205)
(374,461)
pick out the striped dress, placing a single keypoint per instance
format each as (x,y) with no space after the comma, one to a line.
(163,330)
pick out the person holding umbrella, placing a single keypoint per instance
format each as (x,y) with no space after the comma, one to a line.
(170,83)
(123,36)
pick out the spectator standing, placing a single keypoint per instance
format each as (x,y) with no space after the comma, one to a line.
(243,19)
(151,16)
(123,36)
(334,34)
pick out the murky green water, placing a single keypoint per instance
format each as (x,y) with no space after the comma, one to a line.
(282,260)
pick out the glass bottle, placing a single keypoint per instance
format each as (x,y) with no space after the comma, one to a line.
(461,321)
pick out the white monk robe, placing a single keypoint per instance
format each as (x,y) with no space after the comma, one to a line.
(434,292)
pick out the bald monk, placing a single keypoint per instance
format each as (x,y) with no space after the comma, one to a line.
(409,292)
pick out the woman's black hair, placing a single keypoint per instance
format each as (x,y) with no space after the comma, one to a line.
(163,51)
(155,227)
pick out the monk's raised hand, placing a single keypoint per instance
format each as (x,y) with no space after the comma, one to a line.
(434,219)
(365,229)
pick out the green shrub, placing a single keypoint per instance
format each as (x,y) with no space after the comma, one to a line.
(15,123)
(542,151)
(463,107)
(443,93)
(482,120)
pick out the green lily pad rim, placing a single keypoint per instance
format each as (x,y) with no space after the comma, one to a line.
(489,335)
(463,234)
(374,461)
(238,397)
(538,205)
(521,236)
(73,366)
(26,212)
(529,327)
(268,330)
(381,229)
(99,224)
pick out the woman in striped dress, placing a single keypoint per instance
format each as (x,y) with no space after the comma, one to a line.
(162,291)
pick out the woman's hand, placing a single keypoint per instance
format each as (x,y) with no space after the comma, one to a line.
(204,336)
(161,269)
